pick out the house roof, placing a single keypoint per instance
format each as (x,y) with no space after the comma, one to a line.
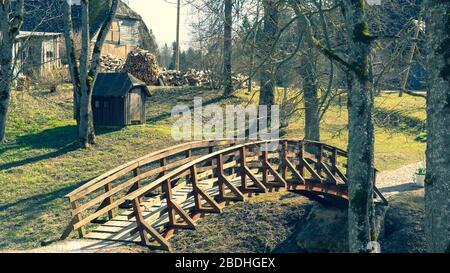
(26,34)
(116,84)
(47,16)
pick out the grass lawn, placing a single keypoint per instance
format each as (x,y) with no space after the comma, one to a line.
(41,163)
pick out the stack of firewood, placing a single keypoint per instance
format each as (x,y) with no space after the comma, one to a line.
(240,81)
(143,65)
(172,78)
(175,78)
(109,63)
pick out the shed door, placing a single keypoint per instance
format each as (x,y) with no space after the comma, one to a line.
(135,105)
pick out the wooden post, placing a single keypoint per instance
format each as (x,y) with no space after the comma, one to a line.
(109,201)
(81,230)
(136,185)
(334,161)
(188,155)
(211,162)
(284,159)
(194,180)
(243,165)
(265,161)
(167,189)
(301,157)
(220,173)
(319,159)
(140,221)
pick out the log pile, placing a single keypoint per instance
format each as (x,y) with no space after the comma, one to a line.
(192,78)
(143,65)
(240,81)
(109,63)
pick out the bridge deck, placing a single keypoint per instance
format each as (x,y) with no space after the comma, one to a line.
(122,227)
(170,189)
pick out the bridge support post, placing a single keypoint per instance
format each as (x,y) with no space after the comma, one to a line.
(199,193)
(243,166)
(145,229)
(284,157)
(81,231)
(301,158)
(223,181)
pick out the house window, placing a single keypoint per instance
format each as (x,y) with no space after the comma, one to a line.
(97,104)
(106,104)
(49,54)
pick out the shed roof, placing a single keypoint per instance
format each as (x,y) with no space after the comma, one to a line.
(116,84)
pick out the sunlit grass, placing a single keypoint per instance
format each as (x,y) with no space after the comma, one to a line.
(40,163)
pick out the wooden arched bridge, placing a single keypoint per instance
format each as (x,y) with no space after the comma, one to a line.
(146,200)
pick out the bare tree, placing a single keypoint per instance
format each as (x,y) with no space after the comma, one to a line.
(84,74)
(227,48)
(361,130)
(269,38)
(437,185)
(11,19)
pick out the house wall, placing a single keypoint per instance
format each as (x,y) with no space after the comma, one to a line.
(37,54)
(122,38)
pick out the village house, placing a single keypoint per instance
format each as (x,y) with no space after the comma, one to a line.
(36,52)
(44,24)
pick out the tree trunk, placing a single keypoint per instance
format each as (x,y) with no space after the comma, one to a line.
(10,23)
(227,48)
(437,182)
(5,84)
(268,75)
(88,73)
(72,59)
(86,133)
(361,131)
(311,101)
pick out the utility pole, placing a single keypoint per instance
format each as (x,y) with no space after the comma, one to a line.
(177,62)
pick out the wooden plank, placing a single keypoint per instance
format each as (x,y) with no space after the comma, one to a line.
(341,175)
(276,175)
(328,172)
(294,171)
(311,170)
(258,183)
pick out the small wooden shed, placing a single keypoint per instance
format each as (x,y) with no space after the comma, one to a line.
(118,100)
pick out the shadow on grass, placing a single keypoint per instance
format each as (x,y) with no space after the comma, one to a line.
(63,139)
(24,212)
(35,203)
(397,121)
(166,115)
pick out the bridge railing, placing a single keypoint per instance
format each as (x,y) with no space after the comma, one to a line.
(295,164)
(105,194)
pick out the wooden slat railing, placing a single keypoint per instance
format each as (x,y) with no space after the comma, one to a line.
(108,190)
(291,166)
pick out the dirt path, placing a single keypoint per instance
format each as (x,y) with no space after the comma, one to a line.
(400,180)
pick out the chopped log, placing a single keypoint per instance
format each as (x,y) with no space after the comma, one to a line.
(143,65)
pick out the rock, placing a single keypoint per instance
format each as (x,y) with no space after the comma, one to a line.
(326,229)
(404,224)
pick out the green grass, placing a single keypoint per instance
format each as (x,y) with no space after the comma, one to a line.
(41,162)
